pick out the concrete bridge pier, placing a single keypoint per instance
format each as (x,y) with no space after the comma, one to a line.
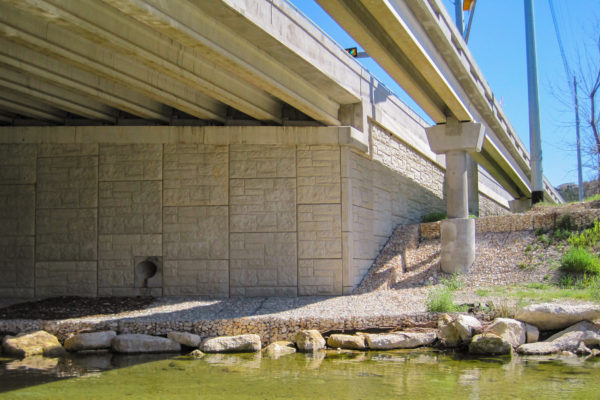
(456,140)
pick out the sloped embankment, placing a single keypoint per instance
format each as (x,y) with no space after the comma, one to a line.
(511,249)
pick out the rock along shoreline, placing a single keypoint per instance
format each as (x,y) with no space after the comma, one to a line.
(566,329)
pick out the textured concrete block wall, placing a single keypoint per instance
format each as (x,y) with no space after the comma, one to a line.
(394,186)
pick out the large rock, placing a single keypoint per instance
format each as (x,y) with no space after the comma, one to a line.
(138,343)
(185,338)
(33,343)
(511,330)
(489,343)
(232,344)
(351,342)
(309,340)
(570,339)
(458,329)
(278,349)
(532,333)
(539,348)
(90,341)
(399,340)
(550,316)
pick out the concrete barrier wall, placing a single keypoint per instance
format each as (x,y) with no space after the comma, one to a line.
(220,211)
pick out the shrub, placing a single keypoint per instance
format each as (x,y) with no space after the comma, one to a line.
(588,238)
(433,217)
(578,260)
(440,300)
(453,283)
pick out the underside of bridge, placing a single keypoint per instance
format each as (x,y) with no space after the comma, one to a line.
(223,147)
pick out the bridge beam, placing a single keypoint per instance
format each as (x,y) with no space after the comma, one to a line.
(456,140)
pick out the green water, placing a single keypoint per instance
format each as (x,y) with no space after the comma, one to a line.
(371,375)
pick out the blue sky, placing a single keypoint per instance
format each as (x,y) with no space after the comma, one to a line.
(497,42)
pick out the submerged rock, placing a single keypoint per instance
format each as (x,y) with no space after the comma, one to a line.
(196,354)
(309,340)
(90,341)
(351,342)
(400,340)
(489,343)
(230,344)
(33,343)
(511,330)
(185,338)
(278,349)
(458,329)
(550,316)
(139,343)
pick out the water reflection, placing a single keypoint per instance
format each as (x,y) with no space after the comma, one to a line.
(343,374)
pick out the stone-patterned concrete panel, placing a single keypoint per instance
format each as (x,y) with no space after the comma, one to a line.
(17,210)
(262,161)
(318,174)
(263,205)
(130,207)
(319,277)
(488,207)
(196,277)
(319,231)
(17,265)
(195,175)
(117,253)
(263,263)
(192,233)
(61,278)
(66,234)
(67,182)
(67,149)
(17,163)
(130,162)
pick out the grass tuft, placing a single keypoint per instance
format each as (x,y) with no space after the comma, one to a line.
(433,217)
(579,260)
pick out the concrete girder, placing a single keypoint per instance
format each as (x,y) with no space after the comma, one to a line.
(18,104)
(5,118)
(39,66)
(85,54)
(55,96)
(399,52)
(199,80)
(180,22)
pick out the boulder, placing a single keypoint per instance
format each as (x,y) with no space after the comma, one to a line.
(511,330)
(582,332)
(232,344)
(33,343)
(185,338)
(532,333)
(489,343)
(399,340)
(196,354)
(309,340)
(551,316)
(90,341)
(139,343)
(351,342)
(278,349)
(539,348)
(570,340)
(458,329)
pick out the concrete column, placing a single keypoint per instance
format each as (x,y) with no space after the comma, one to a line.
(473,182)
(456,140)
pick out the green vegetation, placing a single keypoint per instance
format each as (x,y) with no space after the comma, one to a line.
(453,283)
(441,299)
(433,217)
(578,260)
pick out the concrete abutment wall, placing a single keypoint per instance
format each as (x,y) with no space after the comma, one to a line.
(224,211)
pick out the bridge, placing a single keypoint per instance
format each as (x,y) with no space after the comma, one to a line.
(227,147)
